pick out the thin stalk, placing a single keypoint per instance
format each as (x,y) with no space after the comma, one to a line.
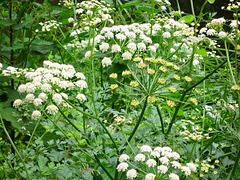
(185,92)
(100,122)
(133,132)
(210,142)
(15,148)
(193,11)
(160,117)
(236,164)
(190,156)
(178,5)
(35,128)
(66,51)
(229,63)
(128,143)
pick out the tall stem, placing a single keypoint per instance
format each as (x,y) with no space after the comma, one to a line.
(185,92)
(160,117)
(15,148)
(229,63)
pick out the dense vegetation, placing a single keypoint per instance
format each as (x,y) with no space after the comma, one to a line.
(119,90)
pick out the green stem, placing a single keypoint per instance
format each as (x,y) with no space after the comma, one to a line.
(128,143)
(160,117)
(185,92)
(236,164)
(15,148)
(67,51)
(138,122)
(100,122)
(32,137)
(229,63)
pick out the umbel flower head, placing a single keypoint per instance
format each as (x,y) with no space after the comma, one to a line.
(45,86)
(162,158)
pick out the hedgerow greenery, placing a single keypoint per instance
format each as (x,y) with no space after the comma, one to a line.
(118,90)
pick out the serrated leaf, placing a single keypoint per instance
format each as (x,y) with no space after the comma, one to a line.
(186,19)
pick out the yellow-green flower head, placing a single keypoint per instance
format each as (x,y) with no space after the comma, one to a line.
(113,86)
(163,69)
(113,75)
(151,71)
(169,64)
(151,99)
(134,84)
(161,80)
(188,79)
(177,77)
(194,101)
(150,60)
(170,103)
(141,65)
(172,89)
(126,73)
(161,61)
(135,103)
(137,59)
(235,88)
(176,67)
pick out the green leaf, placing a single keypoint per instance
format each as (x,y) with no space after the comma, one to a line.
(211,1)
(7,114)
(187,19)
(201,52)
(7,22)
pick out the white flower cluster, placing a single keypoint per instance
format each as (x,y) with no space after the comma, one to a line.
(161,158)
(192,132)
(47,82)
(48,25)
(93,12)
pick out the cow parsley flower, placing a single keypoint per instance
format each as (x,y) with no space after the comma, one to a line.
(116,48)
(162,169)
(140,157)
(81,83)
(17,103)
(80,75)
(123,157)
(52,109)
(127,56)
(43,96)
(81,97)
(131,174)
(36,115)
(150,176)
(146,148)
(132,46)
(166,35)
(57,98)
(122,167)
(106,62)
(104,47)
(151,163)
(141,46)
(173,176)
(37,102)
(29,98)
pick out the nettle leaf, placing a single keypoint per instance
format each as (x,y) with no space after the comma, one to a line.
(187,19)
(211,1)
